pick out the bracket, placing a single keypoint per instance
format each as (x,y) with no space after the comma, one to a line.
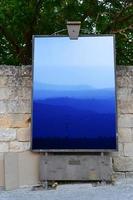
(73,28)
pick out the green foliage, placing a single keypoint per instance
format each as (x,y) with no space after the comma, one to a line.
(20,19)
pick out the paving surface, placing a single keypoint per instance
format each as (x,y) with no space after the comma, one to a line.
(120,191)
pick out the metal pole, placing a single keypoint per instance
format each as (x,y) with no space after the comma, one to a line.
(46,181)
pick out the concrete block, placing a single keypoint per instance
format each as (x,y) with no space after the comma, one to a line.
(28,168)
(23,134)
(11,171)
(125,135)
(16,146)
(2,170)
(7,134)
(14,120)
(123,164)
(128,149)
(21,169)
(75,167)
(4,146)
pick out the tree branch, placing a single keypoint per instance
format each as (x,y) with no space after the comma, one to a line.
(10,38)
(118,19)
(89,12)
(25,52)
(123,29)
(29,32)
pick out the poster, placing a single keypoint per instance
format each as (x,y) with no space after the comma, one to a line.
(74,98)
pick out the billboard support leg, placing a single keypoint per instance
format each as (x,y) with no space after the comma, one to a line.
(46,181)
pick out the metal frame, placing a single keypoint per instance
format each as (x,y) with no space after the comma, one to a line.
(75,150)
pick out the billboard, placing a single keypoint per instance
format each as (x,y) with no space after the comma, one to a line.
(74,98)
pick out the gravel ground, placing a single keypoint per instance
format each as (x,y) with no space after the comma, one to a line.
(122,190)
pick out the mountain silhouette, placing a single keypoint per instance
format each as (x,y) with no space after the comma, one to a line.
(74,117)
(54,91)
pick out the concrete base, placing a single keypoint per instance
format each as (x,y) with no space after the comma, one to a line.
(75,168)
(2,179)
(11,171)
(21,169)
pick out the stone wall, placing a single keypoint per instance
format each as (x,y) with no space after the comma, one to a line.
(15,108)
(15,120)
(123,160)
(15,127)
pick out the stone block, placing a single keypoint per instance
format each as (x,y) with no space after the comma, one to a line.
(125,94)
(125,106)
(129,175)
(4,146)
(128,149)
(16,146)
(27,81)
(123,164)
(23,134)
(2,170)
(3,106)
(125,135)
(124,81)
(3,81)
(28,168)
(25,93)
(14,81)
(118,176)
(25,70)
(120,151)
(19,106)
(7,134)
(14,93)
(5,93)
(125,121)
(14,120)
(9,70)
(17,81)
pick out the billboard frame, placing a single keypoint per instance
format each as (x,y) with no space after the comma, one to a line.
(116,118)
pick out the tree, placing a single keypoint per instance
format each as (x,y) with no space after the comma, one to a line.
(20,19)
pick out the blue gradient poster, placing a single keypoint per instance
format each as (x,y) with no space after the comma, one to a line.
(74,103)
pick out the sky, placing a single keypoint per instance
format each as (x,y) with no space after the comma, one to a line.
(86,61)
